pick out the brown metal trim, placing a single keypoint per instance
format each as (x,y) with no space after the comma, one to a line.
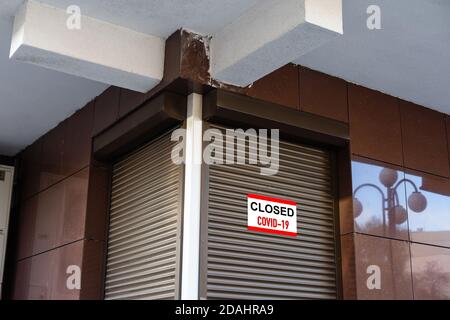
(164,111)
(337,228)
(107,222)
(231,108)
(346,232)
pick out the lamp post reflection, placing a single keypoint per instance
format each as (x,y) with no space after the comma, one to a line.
(392,210)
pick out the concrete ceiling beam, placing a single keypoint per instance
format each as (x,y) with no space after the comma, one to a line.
(270,35)
(98,50)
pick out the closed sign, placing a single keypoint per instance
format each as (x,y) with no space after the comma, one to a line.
(271,215)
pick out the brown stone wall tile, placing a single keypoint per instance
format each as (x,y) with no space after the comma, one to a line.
(22,280)
(41,276)
(323,95)
(44,276)
(26,227)
(97,203)
(67,258)
(78,140)
(383,268)
(92,282)
(52,157)
(31,169)
(106,109)
(72,227)
(431,272)
(50,213)
(425,146)
(375,130)
(348,267)
(281,87)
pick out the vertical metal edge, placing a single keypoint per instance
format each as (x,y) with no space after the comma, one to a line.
(337,234)
(107,221)
(180,219)
(204,204)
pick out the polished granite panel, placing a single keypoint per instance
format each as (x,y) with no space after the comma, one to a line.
(383,268)
(431,272)
(375,127)
(428,208)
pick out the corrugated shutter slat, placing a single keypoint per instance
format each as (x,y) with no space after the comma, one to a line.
(144,231)
(247,265)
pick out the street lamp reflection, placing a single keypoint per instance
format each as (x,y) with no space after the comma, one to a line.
(393,211)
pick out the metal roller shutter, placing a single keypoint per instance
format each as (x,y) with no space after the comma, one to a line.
(242,264)
(144,234)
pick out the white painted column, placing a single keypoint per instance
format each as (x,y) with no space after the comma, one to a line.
(192,193)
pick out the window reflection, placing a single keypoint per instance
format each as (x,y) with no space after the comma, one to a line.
(390,202)
(379,202)
(393,259)
(431,272)
(432,225)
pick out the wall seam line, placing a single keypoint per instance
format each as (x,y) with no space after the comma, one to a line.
(52,249)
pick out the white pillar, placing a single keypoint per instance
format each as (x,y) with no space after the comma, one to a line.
(190,265)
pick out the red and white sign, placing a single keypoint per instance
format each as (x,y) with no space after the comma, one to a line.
(271,215)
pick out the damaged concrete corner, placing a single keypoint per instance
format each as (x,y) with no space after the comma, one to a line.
(194,63)
(192,60)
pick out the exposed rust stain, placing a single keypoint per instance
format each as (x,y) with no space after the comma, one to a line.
(194,57)
(229,87)
(195,62)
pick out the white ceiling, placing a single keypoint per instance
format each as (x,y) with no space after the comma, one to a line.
(33,99)
(162,17)
(408,58)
